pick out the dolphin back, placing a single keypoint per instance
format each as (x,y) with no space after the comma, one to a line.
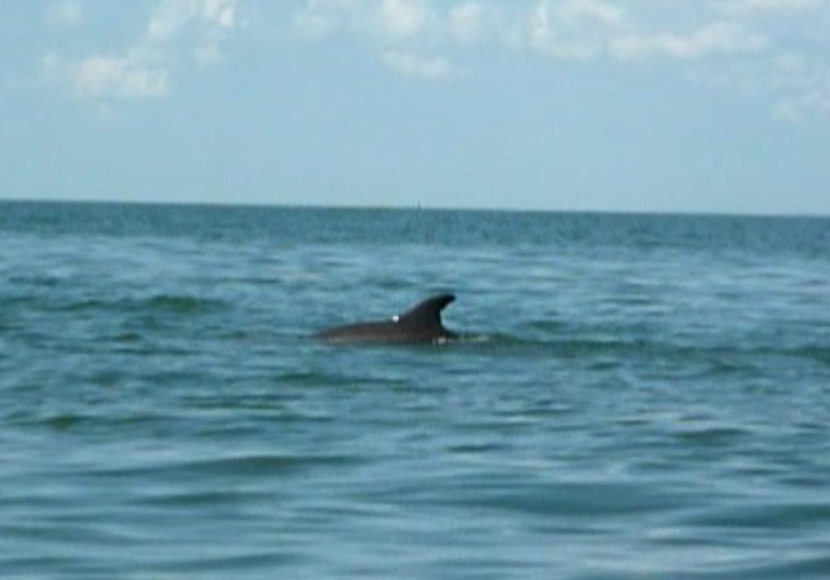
(427,314)
(420,324)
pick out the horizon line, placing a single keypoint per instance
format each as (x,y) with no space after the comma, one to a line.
(417,207)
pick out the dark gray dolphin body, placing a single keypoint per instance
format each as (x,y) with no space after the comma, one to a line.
(422,324)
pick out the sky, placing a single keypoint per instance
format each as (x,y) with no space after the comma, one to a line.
(712,106)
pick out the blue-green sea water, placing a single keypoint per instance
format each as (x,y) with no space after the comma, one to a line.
(646,397)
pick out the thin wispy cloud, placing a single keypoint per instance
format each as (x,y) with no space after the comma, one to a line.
(177,32)
(139,73)
(760,7)
(431,68)
(737,42)
(468,22)
(403,19)
(773,48)
(719,38)
(65,15)
(403,33)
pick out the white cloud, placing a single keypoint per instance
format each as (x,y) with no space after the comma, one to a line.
(318,19)
(137,75)
(398,30)
(222,13)
(402,18)
(467,22)
(170,19)
(598,12)
(435,68)
(804,84)
(702,39)
(208,54)
(572,29)
(716,38)
(761,7)
(208,21)
(797,107)
(65,14)
(390,20)
(145,69)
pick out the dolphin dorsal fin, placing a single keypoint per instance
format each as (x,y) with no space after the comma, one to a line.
(427,313)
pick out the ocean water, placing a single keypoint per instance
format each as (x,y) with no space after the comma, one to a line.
(646,397)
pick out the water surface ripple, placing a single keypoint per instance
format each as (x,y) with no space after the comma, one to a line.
(646,397)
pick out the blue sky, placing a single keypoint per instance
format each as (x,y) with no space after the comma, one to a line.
(630,105)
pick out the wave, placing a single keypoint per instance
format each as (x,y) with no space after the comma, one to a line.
(162,303)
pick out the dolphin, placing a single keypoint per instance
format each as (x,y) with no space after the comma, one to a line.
(421,324)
